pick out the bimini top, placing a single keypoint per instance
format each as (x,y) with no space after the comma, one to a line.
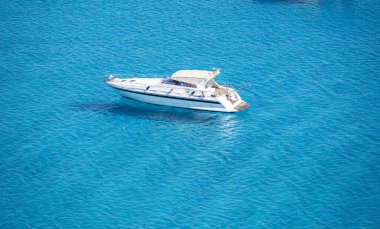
(194,76)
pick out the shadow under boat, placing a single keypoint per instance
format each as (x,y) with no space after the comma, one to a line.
(155,112)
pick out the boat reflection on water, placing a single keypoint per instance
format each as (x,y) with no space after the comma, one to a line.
(205,131)
(160,113)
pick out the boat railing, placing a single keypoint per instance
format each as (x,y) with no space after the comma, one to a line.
(228,85)
(128,76)
(164,88)
(240,87)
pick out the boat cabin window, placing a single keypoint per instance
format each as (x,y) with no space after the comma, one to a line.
(169,80)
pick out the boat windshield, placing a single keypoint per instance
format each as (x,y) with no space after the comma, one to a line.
(169,80)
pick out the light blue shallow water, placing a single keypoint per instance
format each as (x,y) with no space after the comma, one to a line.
(304,155)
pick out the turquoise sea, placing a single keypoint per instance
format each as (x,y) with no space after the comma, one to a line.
(305,154)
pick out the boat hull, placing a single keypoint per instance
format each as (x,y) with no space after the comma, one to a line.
(182,102)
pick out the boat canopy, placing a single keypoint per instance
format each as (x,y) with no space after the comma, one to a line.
(195,76)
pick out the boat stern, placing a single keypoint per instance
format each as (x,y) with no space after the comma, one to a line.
(232,101)
(241,106)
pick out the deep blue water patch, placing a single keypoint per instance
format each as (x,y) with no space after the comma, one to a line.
(305,154)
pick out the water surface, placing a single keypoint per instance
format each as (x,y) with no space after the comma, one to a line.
(74,154)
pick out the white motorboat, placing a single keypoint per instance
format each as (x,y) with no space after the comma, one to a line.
(193,89)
